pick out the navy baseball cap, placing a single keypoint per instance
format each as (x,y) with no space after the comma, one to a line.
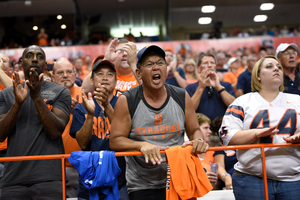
(103,63)
(144,51)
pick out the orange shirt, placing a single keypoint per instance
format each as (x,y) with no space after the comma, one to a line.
(186,178)
(124,83)
(209,158)
(191,81)
(83,74)
(70,143)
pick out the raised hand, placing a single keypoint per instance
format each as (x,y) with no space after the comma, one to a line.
(34,83)
(88,103)
(74,103)
(130,48)
(20,92)
(101,95)
(152,152)
(111,53)
(264,132)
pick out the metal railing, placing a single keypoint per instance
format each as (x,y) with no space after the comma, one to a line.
(136,153)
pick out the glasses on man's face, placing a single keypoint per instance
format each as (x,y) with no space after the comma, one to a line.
(150,64)
(210,91)
(208,63)
(289,54)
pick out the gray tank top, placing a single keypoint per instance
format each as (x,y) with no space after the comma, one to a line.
(162,126)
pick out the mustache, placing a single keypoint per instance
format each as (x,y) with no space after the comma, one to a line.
(65,79)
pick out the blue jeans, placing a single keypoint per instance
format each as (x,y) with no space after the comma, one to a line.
(249,187)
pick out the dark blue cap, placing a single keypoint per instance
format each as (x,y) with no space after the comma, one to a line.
(144,51)
(102,63)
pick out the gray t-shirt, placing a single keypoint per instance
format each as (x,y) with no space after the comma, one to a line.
(30,138)
(162,126)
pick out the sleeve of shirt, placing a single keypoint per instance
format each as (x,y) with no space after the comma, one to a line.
(63,101)
(78,119)
(3,105)
(229,88)
(233,121)
(241,82)
(181,72)
(190,89)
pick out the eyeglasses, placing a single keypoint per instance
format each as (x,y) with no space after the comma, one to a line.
(150,64)
(68,72)
(210,91)
(288,53)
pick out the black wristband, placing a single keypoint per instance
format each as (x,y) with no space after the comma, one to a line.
(221,90)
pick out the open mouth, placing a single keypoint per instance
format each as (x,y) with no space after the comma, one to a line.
(156,78)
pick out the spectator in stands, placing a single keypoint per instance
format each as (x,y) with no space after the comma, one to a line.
(42,38)
(33,117)
(207,157)
(190,71)
(64,74)
(287,54)
(244,79)
(262,52)
(6,71)
(123,54)
(175,76)
(210,96)
(92,118)
(221,67)
(242,124)
(88,63)
(81,73)
(47,76)
(155,105)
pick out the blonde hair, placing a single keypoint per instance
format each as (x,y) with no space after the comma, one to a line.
(202,118)
(255,83)
(191,60)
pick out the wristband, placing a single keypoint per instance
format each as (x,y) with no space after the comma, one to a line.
(224,175)
(223,88)
(176,74)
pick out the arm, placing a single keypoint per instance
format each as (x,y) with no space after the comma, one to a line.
(249,136)
(84,135)
(53,121)
(6,80)
(239,92)
(192,128)
(86,84)
(8,121)
(179,79)
(222,173)
(130,48)
(120,129)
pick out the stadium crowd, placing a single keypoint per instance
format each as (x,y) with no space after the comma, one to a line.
(118,100)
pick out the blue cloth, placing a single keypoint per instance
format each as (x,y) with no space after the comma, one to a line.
(98,170)
(213,106)
(244,82)
(229,160)
(171,80)
(292,85)
(99,140)
(249,187)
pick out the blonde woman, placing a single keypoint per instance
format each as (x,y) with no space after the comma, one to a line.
(190,71)
(266,115)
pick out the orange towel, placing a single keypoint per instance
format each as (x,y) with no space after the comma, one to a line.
(186,177)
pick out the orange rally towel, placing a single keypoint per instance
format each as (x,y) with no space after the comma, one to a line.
(186,178)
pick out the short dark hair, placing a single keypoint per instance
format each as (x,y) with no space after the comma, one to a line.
(203,55)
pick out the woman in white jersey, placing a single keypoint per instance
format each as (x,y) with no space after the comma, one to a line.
(265,116)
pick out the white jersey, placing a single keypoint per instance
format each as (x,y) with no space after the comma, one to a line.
(251,111)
